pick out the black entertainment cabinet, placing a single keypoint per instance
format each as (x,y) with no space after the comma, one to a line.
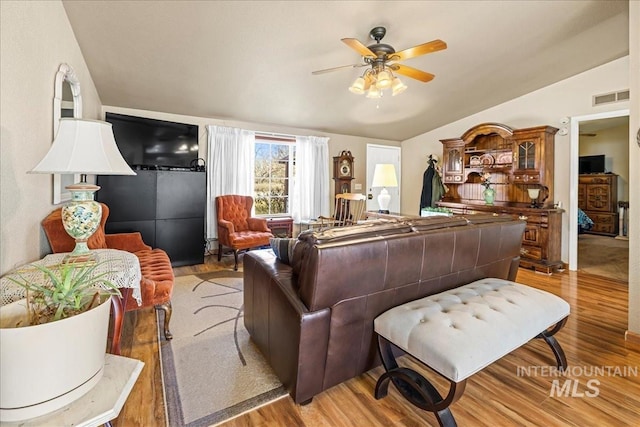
(166,207)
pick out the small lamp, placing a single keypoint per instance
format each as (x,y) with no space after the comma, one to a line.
(83,147)
(397,87)
(534,193)
(358,86)
(384,175)
(383,80)
(373,92)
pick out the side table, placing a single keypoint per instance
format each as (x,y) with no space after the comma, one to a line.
(281,226)
(123,270)
(392,216)
(101,404)
(310,224)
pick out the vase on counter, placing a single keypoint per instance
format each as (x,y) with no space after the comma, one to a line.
(489,195)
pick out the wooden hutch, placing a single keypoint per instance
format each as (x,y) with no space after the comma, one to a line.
(517,159)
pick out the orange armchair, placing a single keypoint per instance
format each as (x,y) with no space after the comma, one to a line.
(236,228)
(156,285)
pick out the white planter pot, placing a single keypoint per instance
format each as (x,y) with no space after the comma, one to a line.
(45,367)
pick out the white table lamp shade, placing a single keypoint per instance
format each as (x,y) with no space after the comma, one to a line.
(384,175)
(84,147)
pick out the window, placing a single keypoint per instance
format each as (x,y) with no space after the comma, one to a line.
(274,170)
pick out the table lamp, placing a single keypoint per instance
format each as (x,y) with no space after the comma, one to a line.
(83,147)
(534,193)
(384,175)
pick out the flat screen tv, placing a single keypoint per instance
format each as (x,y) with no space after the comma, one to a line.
(155,144)
(591,164)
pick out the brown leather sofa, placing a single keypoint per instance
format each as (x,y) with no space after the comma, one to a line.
(313,319)
(156,285)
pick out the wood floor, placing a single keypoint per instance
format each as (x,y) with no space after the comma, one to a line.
(509,392)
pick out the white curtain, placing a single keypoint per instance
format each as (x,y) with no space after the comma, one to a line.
(230,167)
(311,189)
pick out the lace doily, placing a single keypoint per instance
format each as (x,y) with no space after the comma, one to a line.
(123,270)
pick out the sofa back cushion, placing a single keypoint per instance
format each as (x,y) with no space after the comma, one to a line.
(330,271)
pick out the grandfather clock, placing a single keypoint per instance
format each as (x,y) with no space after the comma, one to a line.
(343,172)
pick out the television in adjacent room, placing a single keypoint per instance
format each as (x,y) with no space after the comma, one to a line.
(591,164)
(155,144)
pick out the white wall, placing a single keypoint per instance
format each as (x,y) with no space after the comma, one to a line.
(337,142)
(547,106)
(35,38)
(614,144)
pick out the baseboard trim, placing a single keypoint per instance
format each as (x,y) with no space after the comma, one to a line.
(632,337)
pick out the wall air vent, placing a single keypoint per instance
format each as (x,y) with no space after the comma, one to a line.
(623,96)
(607,98)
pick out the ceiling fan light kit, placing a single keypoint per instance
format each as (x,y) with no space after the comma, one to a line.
(374,92)
(358,86)
(383,62)
(397,87)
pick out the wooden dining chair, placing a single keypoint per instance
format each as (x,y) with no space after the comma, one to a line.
(349,209)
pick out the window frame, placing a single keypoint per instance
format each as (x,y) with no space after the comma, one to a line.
(273,140)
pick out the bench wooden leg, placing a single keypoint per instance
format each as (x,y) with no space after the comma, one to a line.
(548,337)
(416,388)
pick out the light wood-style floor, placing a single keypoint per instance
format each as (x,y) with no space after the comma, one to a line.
(500,395)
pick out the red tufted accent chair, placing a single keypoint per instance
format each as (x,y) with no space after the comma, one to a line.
(157,280)
(236,228)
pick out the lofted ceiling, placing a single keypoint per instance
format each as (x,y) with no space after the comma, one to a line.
(252,60)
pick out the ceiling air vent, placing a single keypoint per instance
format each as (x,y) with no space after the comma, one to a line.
(607,98)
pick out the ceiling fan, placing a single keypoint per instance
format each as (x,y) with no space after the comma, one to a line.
(383,62)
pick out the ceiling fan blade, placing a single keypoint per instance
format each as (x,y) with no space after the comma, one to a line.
(421,49)
(414,73)
(359,47)
(328,70)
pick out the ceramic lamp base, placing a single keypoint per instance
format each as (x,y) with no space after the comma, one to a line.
(384,198)
(81,218)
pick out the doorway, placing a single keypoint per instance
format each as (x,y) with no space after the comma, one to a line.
(588,125)
(383,154)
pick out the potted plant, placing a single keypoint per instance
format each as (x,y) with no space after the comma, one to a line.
(53,341)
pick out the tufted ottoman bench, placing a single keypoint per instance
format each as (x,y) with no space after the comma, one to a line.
(461,331)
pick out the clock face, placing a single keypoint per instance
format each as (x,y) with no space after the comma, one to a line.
(345,168)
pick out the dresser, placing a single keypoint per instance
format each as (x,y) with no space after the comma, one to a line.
(598,198)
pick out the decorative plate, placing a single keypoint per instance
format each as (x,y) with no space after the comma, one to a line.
(487,159)
(475,161)
(504,158)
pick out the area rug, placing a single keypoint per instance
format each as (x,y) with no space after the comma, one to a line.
(604,256)
(212,372)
